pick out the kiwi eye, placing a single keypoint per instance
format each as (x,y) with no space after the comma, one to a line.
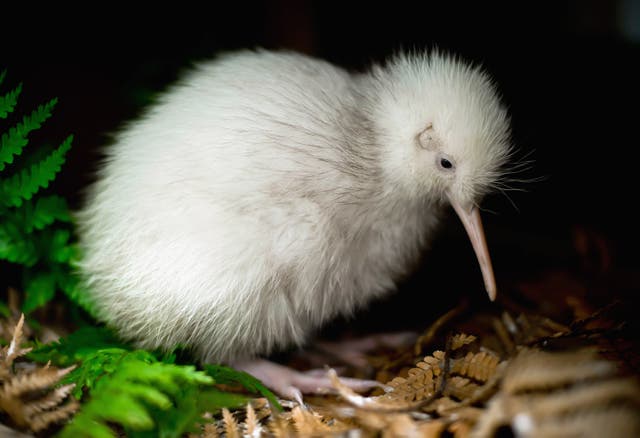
(445,163)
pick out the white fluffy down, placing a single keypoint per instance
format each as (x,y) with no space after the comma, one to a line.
(267,192)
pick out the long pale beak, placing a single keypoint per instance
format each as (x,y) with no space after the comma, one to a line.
(473,224)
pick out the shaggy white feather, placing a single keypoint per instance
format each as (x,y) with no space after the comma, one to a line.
(266,193)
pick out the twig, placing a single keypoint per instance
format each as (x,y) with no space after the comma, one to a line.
(430,334)
(583,322)
(576,334)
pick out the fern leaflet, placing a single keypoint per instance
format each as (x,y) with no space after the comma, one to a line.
(8,102)
(13,141)
(14,248)
(77,347)
(22,186)
(36,216)
(76,289)
(39,290)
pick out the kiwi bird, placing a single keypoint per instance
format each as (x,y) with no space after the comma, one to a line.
(268,192)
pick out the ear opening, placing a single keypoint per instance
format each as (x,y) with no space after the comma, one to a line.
(427,139)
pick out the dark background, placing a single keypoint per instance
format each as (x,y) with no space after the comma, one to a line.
(567,70)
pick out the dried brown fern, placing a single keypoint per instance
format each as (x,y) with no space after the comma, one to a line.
(433,380)
(419,384)
(29,397)
(231,428)
(563,394)
(12,351)
(606,422)
(479,385)
(460,388)
(536,409)
(396,425)
(280,427)
(421,381)
(252,426)
(538,370)
(262,408)
(460,429)
(306,423)
(210,431)
(461,339)
(478,366)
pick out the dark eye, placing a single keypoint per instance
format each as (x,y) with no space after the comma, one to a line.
(446,164)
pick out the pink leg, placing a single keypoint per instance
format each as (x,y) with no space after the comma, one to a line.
(291,384)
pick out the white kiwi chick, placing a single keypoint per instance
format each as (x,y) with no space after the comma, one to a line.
(268,192)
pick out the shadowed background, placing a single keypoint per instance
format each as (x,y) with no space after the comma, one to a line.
(567,70)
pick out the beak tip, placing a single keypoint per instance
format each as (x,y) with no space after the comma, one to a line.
(492,290)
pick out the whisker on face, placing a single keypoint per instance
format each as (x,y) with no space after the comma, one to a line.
(502,185)
(488,211)
(506,195)
(533,179)
(511,175)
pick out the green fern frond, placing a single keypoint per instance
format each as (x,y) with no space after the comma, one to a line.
(44,253)
(74,288)
(133,389)
(102,363)
(13,141)
(39,290)
(14,248)
(129,396)
(3,73)
(51,246)
(77,347)
(22,186)
(9,101)
(55,246)
(186,415)
(229,376)
(36,216)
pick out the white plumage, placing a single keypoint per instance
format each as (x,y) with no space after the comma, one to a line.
(268,192)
